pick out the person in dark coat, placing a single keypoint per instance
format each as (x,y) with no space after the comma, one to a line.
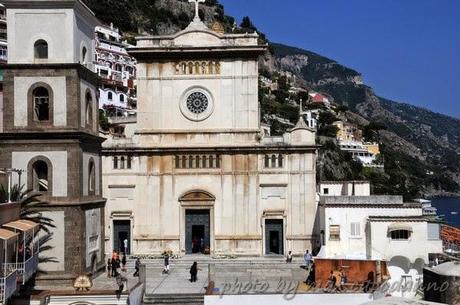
(123,262)
(109,267)
(166,266)
(137,267)
(114,268)
(194,272)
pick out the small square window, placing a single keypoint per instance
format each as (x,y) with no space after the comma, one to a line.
(326,191)
(334,232)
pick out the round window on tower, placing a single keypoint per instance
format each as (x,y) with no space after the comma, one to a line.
(197,104)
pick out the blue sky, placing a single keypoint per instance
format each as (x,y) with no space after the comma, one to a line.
(407,50)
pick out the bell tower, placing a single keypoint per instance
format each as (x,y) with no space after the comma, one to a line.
(50,127)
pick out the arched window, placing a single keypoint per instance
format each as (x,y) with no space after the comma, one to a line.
(122,163)
(122,98)
(84,53)
(91,178)
(273,165)
(41,49)
(40,182)
(280,160)
(115,162)
(267,161)
(110,96)
(89,109)
(41,99)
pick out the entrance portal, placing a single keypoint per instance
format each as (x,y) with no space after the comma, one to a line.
(122,232)
(274,236)
(197,234)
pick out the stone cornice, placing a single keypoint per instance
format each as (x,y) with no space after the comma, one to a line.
(183,53)
(52,136)
(83,72)
(214,150)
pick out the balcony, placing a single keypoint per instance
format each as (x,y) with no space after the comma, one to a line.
(8,271)
(27,254)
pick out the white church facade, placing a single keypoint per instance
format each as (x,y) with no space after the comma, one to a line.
(199,175)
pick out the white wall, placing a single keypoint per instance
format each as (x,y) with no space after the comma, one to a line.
(234,92)
(26,26)
(56,242)
(84,86)
(345,188)
(418,245)
(58,159)
(21,90)
(93,236)
(85,176)
(344,216)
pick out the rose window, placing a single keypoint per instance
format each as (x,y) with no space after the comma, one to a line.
(197,102)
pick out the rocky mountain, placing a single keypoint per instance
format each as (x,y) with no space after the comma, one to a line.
(421,148)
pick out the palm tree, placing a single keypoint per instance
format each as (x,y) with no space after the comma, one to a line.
(30,204)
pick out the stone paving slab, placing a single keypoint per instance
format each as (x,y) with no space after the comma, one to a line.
(176,282)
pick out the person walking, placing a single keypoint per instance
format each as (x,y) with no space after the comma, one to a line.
(137,266)
(289,257)
(109,267)
(194,272)
(331,282)
(166,264)
(308,259)
(123,262)
(121,280)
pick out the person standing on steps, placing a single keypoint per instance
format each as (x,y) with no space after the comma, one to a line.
(137,267)
(194,272)
(125,244)
(109,267)
(307,258)
(166,266)
(289,257)
(123,263)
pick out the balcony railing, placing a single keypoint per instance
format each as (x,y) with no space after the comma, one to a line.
(27,270)
(8,286)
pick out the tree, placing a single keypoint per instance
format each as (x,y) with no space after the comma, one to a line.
(30,204)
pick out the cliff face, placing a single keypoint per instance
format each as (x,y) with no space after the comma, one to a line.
(421,148)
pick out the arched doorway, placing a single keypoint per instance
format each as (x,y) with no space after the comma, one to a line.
(197,215)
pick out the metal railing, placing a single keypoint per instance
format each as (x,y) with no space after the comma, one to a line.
(8,286)
(27,270)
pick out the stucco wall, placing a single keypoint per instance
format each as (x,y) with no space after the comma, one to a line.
(21,99)
(344,216)
(58,160)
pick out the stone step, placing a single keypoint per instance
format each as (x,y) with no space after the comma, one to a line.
(174,299)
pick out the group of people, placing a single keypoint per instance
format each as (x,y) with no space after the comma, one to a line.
(193,269)
(114,264)
(308,258)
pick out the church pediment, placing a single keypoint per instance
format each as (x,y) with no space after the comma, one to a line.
(197,38)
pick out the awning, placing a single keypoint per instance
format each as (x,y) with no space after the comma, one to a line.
(399,227)
(7,235)
(22,225)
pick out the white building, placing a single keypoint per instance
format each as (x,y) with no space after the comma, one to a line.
(311,117)
(358,151)
(116,68)
(379,228)
(198,176)
(3,35)
(344,188)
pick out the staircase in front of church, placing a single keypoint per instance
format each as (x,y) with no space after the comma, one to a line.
(174,299)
